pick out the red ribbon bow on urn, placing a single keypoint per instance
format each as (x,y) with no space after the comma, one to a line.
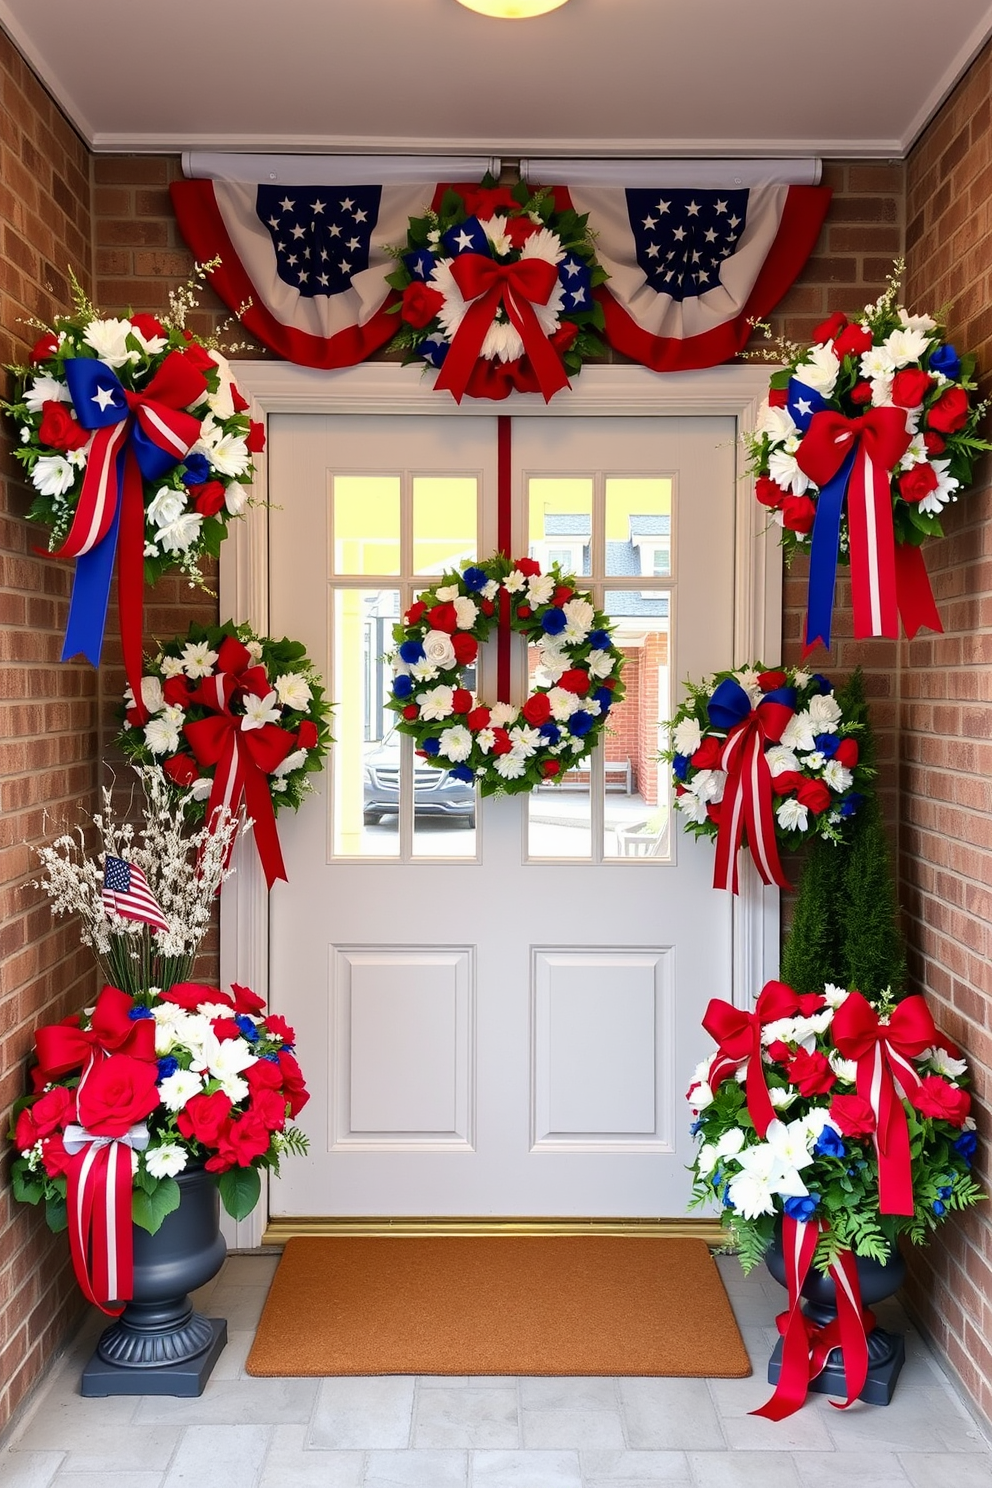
(737,1034)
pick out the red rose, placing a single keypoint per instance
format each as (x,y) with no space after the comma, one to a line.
(815,794)
(551,766)
(45,347)
(829,328)
(478,719)
(529,567)
(811,1073)
(118,1092)
(564,336)
(852,341)
(950,412)
(414,613)
(524,611)
(461,700)
(199,357)
(182,769)
(247,1001)
(847,753)
(279,1028)
(466,648)
(53,1109)
(190,995)
(918,482)
(810,1003)
(241,405)
(575,680)
(482,201)
(910,387)
(307,735)
(562,595)
(264,1074)
(779,1052)
(411,711)
(176,691)
(58,429)
(208,498)
(798,513)
(225,1028)
(292,1083)
(861,393)
(537,709)
(255,438)
(771,681)
(707,756)
(933,444)
(769,492)
(240,1143)
(937,1097)
(54,1157)
(443,617)
(714,810)
(852,1115)
(778,397)
(269,1107)
(421,303)
(519,229)
(487,607)
(501,741)
(147,325)
(203,1117)
(786,782)
(25,1132)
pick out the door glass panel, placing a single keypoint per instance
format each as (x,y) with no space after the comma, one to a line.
(635,822)
(638,526)
(560,521)
(365,759)
(445,522)
(366,524)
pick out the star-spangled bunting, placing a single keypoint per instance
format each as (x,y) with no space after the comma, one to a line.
(681,238)
(321,237)
(126,893)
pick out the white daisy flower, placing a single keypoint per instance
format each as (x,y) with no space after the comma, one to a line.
(260,710)
(436,704)
(293,690)
(175,1090)
(45,389)
(935,501)
(168,1159)
(456,743)
(230,455)
(198,660)
(52,475)
(838,776)
(792,815)
(178,536)
(687,736)
(511,766)
(503,714)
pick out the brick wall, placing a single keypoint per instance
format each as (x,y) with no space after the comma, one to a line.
(945,711)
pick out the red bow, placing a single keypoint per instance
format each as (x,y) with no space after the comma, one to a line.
(886,580)
(806,1345)
(883,1052)
(747,798)
(517,286)
(737,1034)
(243,757)
(62,1047)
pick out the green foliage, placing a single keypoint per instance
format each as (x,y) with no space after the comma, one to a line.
(239,1191)
(812,954)
(149,1207)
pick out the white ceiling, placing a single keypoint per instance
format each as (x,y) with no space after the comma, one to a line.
(614,77)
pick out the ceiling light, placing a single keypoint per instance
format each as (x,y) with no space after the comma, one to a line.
(512,10)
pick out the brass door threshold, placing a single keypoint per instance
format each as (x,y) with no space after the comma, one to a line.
(278,1231)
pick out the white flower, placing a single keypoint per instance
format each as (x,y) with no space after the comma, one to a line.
(151,694)
(526,740)
(943,1063)
(439,650)
(200,789)
(447,594)
(260,710)
(779,759)
(553,663)
(181,534)
(563,704)
(107,339)
(485,739)
(495,231)
(198,660)
(790,1142)
(166,507)
(600,664)
(782,1097)
(835,996)
(792,815)
(917,322)
(436,704)
(223,1057)
(511,766)
(161,736)
(906,345)
(175,1090)
(877,362)
(467,611)
(799,733)
(235,499)
(501,715)
(52,475)
(824,712)
(254,649)
(935,501)
(456,743)
(540,588)
(692,807)
(45,389)
(844,1069)
(221,403)
(580,615)
(729,1145)
(820,370)
(293,691)
(490,589)
(168,1159)
(150,345)
(709,785)
(230,455)
(837,776)
(290,763)
(422,671)
(777,422)
(785,472)
(514,582)
(172,666)
(687,736)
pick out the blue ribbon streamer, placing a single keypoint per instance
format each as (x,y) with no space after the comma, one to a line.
(730,704)
(91,593)
(824,552)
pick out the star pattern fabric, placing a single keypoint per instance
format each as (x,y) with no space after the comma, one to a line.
(321,236)
(682,237)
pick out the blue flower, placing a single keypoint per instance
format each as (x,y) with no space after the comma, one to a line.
(944,1193)
(827,744)
(248,1029)
(829,1144)
(550,731)
(725,1198)
(136,1014)
(967,1145)
(402,686)
(462,772)
(604,697)
(475,579)
(599,640)
(680,766)
(822,682)
(945,359)
(939,1208)
(580,723)
(553,621)
(850,803)
(412,652)
(196,470)
(167,1066)
(802,1206)
(694,1128)
(272,1058)
(431,746)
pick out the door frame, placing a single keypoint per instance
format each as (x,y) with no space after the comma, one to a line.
(734,391)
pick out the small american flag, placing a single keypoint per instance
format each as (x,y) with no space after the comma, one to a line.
(126,893)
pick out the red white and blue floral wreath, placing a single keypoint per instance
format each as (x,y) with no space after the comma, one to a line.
(502,747)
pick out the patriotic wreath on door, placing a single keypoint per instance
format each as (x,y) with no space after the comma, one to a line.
(499,746)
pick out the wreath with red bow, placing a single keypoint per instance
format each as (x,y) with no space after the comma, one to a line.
(496,286)
(232,717)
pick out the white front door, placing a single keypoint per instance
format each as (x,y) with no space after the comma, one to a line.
(497,1002)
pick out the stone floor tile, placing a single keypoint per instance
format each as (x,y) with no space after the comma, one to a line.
(218,1456)
(231,1364)
(357,1413)
(623,1468)
(526,1470)
(926,1469)
(126,1449)
(491,1381)
(126,1479)
(29,1469)
(577,1428)
(249,1270)
(484,1417)
(803,1432)
(915,1421)
(240,1305)
(266,1402)
(568,1392)
(667,1414)
(289,1463)
(747,1470)
(67,1423)
(443,1381)
(444,1469)
(850,1470)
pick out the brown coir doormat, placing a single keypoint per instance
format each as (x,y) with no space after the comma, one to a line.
(576,1304)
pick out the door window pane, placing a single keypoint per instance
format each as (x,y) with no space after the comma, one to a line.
(366,523)
(635,823)
(638,525)
(366,756)
(560,521)
(445,522)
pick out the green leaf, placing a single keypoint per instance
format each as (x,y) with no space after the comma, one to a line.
(149,1209)
(56,1213)
(27,1188)
(239,1191)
